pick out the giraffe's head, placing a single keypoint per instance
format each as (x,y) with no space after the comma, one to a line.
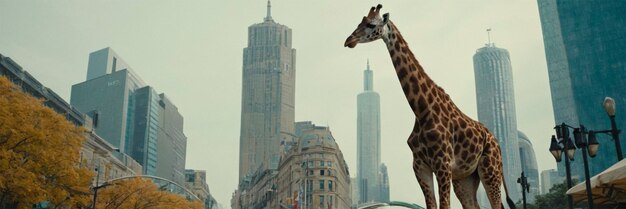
(371,28)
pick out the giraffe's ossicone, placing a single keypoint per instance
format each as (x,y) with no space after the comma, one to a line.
(444,141)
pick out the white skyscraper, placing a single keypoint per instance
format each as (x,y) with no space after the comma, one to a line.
(368,140)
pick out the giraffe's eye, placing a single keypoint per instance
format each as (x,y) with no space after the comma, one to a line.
(370,25)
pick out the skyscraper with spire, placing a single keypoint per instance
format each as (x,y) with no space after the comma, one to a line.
(495,100)
(268,100)
(368,140)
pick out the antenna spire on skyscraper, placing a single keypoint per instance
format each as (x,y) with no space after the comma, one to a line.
(269,12)
(368,64)
(489,37)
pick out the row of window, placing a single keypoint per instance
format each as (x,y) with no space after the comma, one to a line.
(322,163)
(321,185)
(321,172)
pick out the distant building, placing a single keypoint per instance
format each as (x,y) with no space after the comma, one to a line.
(268,95)
(195,181)
(257,190)
(95,151)
(314,174)
(529,166)
(549,178)
(355,192)
(172,142)
(368,141)
(495,100)
(132,116)
(585,48)
(384,184)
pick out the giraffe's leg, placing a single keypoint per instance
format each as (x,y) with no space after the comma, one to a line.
(444,177)
(424,176)
(490,172)
(465,190)
(443,172)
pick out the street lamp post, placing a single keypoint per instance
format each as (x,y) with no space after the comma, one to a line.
(609,107)
(525,187)
(562,133)
(586,146)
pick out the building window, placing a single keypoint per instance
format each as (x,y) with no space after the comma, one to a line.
(322,185)
(322,163)
(322,201)
(310,164)
(329,173)
(328,163)
(321,172)
(330,185)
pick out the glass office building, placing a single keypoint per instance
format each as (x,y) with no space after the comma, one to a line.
(132,116)
(585,50)
(496,108)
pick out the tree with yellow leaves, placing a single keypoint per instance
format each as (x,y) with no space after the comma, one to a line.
(39,154)
(137,193)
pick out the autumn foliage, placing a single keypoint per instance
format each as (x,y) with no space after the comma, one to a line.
(39,154)
(137,193)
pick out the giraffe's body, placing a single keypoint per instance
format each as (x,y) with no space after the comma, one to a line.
(444,141)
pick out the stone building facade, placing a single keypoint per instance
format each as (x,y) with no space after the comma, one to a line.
(314,174)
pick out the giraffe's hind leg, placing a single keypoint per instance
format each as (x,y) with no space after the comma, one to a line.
(465,190)
(490,172)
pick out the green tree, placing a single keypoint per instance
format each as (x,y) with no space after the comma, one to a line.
(555,199)
(39,154)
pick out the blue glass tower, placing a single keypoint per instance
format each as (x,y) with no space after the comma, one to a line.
(131,115)
(585,50)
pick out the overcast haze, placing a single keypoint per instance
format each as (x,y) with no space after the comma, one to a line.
(192,52)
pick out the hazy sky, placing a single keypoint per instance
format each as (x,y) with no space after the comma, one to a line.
(192,51)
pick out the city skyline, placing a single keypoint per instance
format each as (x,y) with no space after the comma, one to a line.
(199,65)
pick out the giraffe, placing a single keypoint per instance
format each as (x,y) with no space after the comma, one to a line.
(444,141)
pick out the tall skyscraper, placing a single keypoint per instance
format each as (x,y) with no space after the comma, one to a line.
(496,108)
(368,140)
(268,99)
(132,116)
(585,48)
(529,166)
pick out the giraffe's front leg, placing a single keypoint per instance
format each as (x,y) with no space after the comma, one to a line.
(424,176)
(444,177)
(443,172)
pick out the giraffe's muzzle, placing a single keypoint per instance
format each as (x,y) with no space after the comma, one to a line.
(351,42)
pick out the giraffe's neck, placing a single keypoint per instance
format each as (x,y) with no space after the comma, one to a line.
(420,91)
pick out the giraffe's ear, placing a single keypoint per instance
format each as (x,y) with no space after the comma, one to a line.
(386,18)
